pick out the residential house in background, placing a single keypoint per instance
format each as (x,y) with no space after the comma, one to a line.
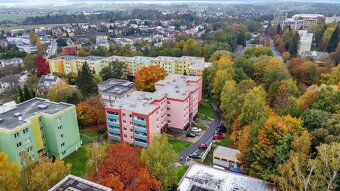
(46,82)
(38,127)
(12,62)
(138,115)
(333,19)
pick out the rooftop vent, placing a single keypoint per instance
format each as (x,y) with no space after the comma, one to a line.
(1,119)
(177,91)
(41,106)
(17,114)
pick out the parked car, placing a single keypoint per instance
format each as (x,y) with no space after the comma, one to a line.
(219,131)
(194,156)
(190,135)
(218,136)
(221,126)
(196,129)
(203,146)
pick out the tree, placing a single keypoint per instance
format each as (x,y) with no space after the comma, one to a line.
(230,103)
(123,168)
(336,56)
(274,144)
(328,100)
(114,70)
(334,40)
(294,44)
(46,173)
(61,92)
(160,158)
(96,153)
(29,62)
(286,56)
(26,171)
(313,119)
(41,65)
(147,76)
(9,174)
(332,78)
(308,98)
(253,109)
(258,51)
(85,81)
(81,52)
(91,112)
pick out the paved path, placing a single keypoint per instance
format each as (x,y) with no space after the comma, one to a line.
(205,138)
(275,52)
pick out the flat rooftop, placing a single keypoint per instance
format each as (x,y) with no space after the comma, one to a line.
(137,101)
(27,109)
(202,177)
(226,151)
(200,65)
(177,79)
(115,86)
(176,91)
(74,183)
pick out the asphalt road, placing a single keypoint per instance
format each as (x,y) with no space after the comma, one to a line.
(205,138)
(275,52)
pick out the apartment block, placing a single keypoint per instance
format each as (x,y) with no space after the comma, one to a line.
(172,65)
(112,89)
(302,22)
(197,69)
(137,116)
(305,43)
(39,127)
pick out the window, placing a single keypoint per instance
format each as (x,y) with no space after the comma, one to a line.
(19,145)
(168,102)
(16,135)
(58,119)
(169,121)
(43,137)
(45,145)
(40,119)
(63,153)
(25,131)
(168,108)
(41,129)
(61,136)
(28,140)
(124,121)
(62,145)
(124,114)
(29,149)
(125,136)
(60,127)
(169,115)
(131,130)
(124,128)
(130,115)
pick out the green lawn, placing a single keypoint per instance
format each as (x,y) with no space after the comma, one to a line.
(209,159)
(226,142)
(181,171)
(78,159)
(179,145)
(205,109)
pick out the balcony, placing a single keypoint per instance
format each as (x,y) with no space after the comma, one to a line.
(140,129)
(141,137)
(111,116)
(139,122)
(114,130)
(114,124)
(114,137)
(141,144)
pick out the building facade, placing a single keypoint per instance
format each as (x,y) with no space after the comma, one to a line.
(112,89)
(139,115)
(172,65)
(39,127)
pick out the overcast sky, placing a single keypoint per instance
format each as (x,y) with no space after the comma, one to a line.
(241,1)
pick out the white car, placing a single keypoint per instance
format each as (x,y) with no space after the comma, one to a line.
(196,129)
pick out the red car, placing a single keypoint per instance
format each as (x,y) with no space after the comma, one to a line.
(203,146)
(218,136)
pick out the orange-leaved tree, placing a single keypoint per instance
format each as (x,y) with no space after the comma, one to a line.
(123,170)
(147,76)
(91,112)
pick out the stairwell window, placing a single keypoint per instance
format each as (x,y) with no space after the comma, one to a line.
(19,145)
(25,131)
(16,135)
(62,145)
(60,127)
(58,119)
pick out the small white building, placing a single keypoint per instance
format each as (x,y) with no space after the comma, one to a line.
(30,49)
(225,157)
(334,19)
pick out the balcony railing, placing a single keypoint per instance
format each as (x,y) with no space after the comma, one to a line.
(111,123)
(141,137)
(141,144)
(111,116)
(114,137)
(140,129)
(114,130)
(139,122)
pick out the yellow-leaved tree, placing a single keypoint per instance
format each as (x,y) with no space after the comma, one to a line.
(9,174)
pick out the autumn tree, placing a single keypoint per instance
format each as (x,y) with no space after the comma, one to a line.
(61,92)
(147,76)
(86,82)
(230,103)
(307,99)
(29,62)
(46,173)
(9,174)
(332,78)
(81,52)
(258,51)
(328,100)
(41,65)
(96,154)
(91,111)
(334,40)
(123,170)
(114,70)
(274,144)
(160,158)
